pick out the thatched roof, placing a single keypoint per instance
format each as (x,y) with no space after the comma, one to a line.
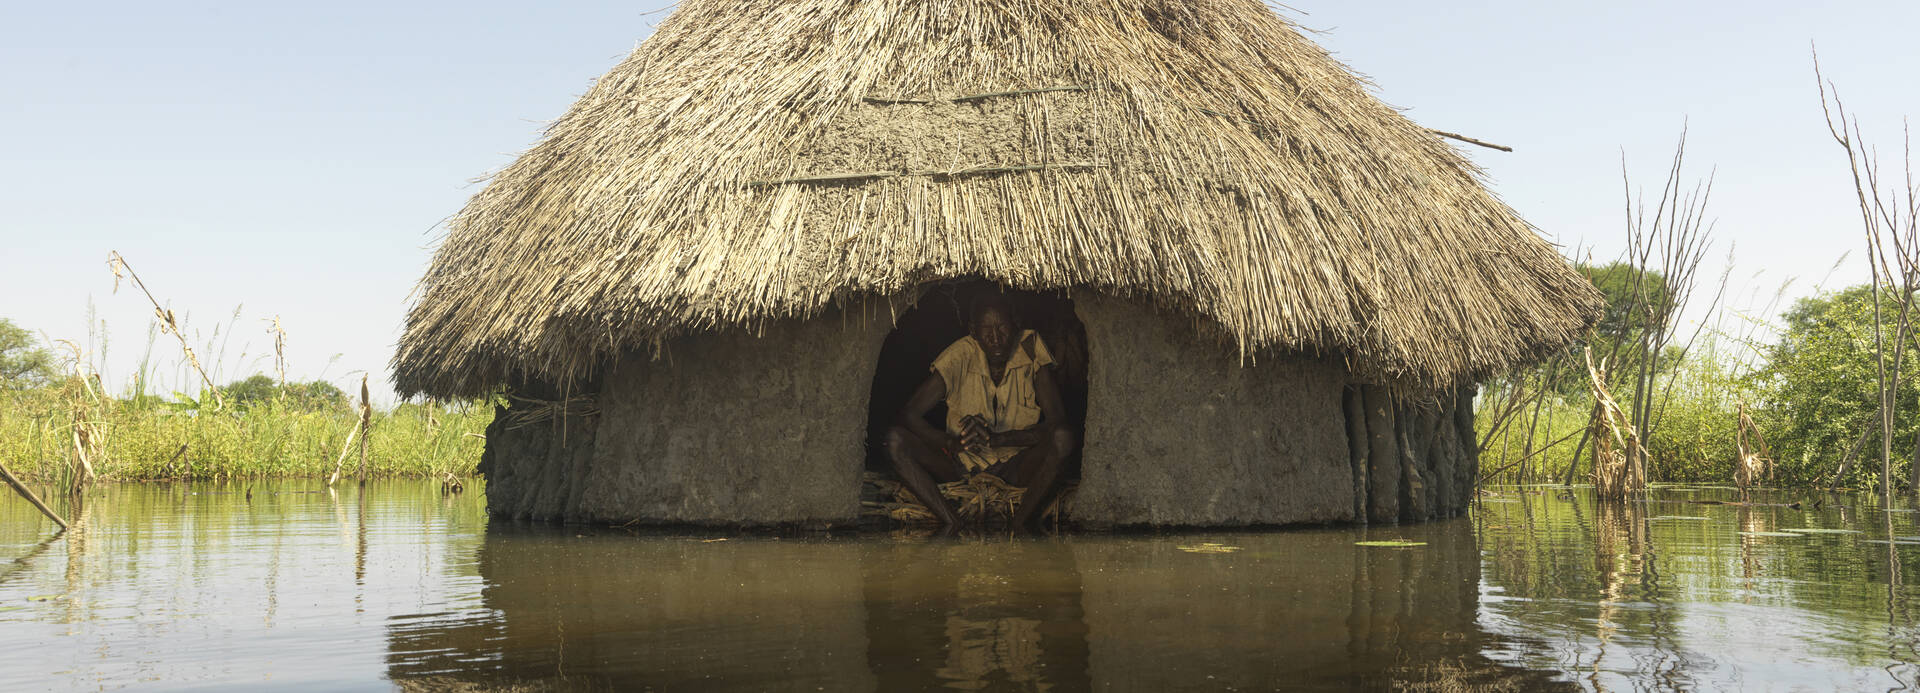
(761,159)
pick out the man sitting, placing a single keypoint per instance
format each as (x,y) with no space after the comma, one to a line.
(1004,417)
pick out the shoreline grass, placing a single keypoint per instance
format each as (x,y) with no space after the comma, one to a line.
(142,439)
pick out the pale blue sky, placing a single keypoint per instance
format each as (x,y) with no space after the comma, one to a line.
(296,158)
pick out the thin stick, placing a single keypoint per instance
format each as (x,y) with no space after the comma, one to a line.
(1020,92)
(825,178)
(176,457)
(86,465)
(117,263)
(936,173)
(344,449)
(35,500)
(1484,477)
(366,427)
(1469,140)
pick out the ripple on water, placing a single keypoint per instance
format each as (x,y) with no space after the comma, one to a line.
(195,586)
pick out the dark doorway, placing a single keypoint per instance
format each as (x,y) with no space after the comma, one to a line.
(940,318)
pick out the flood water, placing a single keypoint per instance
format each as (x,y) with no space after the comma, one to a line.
(205,586)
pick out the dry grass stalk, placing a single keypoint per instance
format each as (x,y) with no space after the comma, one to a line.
(168,324)
(366,427)
(346,447)
(978,499)
(1619,461)
(1244,176)
(1755,458)
(1890,218)
(279,333)
(1669,245)
(85,403)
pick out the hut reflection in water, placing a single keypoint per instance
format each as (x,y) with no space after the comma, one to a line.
(609,610)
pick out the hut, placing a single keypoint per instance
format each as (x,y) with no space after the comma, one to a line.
(687,288)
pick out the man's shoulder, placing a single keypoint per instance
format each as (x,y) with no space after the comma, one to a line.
(959,352)
(1034,348)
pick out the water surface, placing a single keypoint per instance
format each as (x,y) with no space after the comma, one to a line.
(399,585)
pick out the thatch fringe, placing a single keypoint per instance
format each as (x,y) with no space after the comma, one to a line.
(1243,176)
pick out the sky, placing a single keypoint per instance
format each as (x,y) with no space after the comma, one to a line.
(253,160)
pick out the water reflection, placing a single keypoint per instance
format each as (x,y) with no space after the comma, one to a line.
(608,610)
(208,585)
(596,609)
(974,615)
(1686,590)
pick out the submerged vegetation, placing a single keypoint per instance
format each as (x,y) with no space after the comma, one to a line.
(1820,395)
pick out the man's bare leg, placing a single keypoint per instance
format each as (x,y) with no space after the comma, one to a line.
(923,468)
(1040,474)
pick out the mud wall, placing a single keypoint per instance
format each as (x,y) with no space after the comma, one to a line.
(723,429)
(1181,432)
(1413,456)
(740,429)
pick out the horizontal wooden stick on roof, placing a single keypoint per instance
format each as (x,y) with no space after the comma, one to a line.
(1469,140)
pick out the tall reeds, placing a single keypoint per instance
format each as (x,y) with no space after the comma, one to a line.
(264,439)
(1890,221)
(73,430)
(165,319)
(1639,345)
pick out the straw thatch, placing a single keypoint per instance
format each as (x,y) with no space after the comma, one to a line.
(762,159)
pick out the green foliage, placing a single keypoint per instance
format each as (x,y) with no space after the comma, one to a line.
(1623,286)
(1812,399)
(1821,389)
(23,363)
(1696,402)
(270,438)
(318,395)
(1619,331)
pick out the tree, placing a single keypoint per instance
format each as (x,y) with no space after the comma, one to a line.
(23,363)
(1822,393)
(1631,296)
(318,395)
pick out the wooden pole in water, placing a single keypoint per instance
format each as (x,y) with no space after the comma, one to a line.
(35,500)
(366,427)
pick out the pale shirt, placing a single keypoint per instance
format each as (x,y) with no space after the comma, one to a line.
(1007,406)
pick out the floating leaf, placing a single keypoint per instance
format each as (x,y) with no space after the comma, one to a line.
(46,597)
(1772,534)
(1679,517)
(1209,547)
(1394,543)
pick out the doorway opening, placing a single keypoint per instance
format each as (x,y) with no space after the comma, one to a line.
(936,322)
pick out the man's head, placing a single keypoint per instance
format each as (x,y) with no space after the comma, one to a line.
(990,321)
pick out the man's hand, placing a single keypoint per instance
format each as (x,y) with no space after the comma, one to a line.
(975,436)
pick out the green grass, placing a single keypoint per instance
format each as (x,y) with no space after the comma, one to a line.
(266,439)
